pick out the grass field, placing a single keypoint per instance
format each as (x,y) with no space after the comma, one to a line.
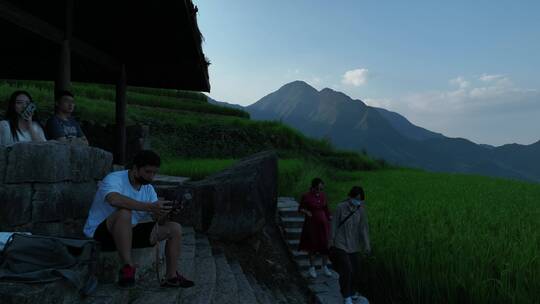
(445,238)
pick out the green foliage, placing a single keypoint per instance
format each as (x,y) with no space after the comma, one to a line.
(295,176)
(164,99)
(196,169)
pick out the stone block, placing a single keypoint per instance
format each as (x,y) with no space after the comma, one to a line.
(80,163)
(47,203)
(3,162)
(53,162)
(15,204)
(89,163)
(46,162)
(78,198)
(235,203)
(54,202)
(100,163)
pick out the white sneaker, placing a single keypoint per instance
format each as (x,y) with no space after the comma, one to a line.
(312,272)
(348,300)
(326,271)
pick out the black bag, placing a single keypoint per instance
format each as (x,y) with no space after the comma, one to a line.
(41,259)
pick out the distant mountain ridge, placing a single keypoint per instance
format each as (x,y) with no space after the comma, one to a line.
(351,124)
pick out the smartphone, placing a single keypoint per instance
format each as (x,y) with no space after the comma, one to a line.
(28,111)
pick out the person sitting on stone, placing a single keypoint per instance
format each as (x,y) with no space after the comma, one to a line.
(62,126)
(21,124)
(121,218)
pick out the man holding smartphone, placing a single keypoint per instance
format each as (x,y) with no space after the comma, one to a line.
(122,217)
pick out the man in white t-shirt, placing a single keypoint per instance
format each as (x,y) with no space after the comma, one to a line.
(122,217)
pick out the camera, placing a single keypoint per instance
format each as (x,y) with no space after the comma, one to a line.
(182,200)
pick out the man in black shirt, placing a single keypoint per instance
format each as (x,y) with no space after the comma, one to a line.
(62,126)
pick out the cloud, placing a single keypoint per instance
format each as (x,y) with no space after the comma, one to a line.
(489,78)
(378,102)
(489,94)
(460,82)
(355,77)
(480,108)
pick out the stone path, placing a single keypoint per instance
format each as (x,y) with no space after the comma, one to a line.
(217,281)
(325,289)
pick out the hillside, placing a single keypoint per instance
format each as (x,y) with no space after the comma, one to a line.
(184,124)
(351,124)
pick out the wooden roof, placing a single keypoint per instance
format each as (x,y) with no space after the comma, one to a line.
(158,41)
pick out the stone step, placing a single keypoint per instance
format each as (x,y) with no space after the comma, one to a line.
(109,263)
(106,294)
(279,296)
(287,206)
(303,263)
(269,294)
(290,212)
(169,180)
(226,291)
(204,276)
(281,199)
(292,221)
(149,290)
(293,243)
(55,292)
(299,254)
(246,295)
(260,294)
(292,233)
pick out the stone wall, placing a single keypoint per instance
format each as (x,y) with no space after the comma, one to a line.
(236,203)
(47,188)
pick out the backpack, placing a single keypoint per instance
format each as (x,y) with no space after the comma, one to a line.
(42,259)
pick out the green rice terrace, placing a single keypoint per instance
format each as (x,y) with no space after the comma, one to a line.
(437,238)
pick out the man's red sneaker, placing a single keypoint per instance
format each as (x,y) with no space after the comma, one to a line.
(126,276)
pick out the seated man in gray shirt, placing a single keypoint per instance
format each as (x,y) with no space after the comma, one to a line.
(62,126)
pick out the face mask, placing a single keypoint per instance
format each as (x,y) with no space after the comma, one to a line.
(356,202)
(142,180)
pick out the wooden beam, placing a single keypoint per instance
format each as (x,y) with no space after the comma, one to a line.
(63,80)
(121,92)
(43,29)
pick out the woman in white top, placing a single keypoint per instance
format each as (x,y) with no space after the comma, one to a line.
(20,126)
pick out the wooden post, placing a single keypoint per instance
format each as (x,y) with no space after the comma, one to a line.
(63,79)
(121,88)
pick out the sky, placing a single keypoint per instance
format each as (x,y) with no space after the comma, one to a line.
(466,69)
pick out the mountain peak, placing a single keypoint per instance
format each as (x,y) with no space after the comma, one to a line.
(297,84)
